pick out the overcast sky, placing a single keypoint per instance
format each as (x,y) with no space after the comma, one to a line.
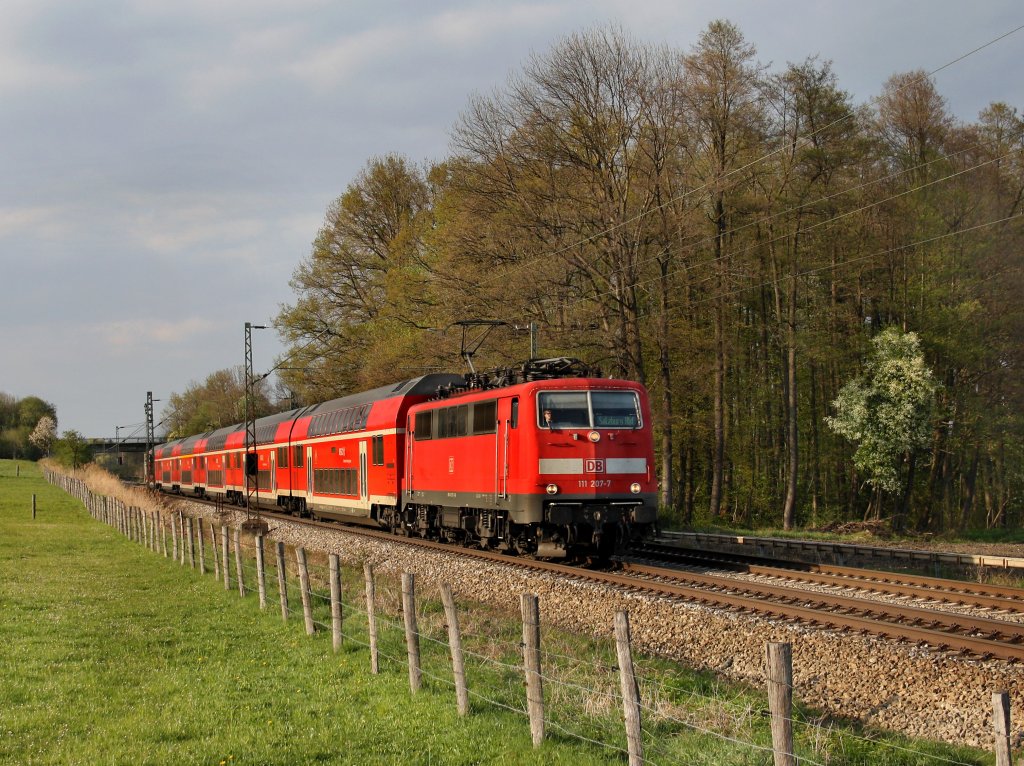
(165,165)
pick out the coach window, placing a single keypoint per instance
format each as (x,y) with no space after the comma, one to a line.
(282,457)
(378,450)
(297,456)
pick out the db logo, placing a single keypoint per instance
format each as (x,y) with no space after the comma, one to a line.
(593,466)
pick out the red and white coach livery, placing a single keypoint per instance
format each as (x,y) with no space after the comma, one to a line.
(547,458)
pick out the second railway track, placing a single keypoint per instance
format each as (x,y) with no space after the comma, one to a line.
(1003,598)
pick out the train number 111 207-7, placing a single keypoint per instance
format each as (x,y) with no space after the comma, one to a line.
(594,484)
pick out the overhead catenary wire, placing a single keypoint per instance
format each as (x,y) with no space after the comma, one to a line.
(782,237)
(827,222)
(736,171)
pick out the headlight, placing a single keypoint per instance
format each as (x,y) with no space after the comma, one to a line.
(594,436)
(635,488)
(552,489)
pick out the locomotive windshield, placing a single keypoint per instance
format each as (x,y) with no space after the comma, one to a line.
(588,409)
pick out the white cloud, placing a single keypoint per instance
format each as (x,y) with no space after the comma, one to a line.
(26,71)
(476,26)
(21,73)
(39,221)
(173,226)
(337,62)
(128,335)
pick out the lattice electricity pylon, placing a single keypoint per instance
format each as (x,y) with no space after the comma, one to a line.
(253,520)
(150,439)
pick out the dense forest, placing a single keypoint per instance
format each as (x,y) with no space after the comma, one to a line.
(736,237)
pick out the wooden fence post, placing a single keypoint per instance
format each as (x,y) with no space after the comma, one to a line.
(261,572)
(238,562)
(33,506)
(412,636)
(530,606)
(780,701)
(174,538)
(371,616)
(307,598)
(455,645)
(630,691)
(1001,727)
(282,581)
(202,545)
(191,543)
(335,569)
(163,534)
(213,551)
(181,531)
(224,556)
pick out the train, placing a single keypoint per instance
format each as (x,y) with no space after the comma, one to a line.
(546,458)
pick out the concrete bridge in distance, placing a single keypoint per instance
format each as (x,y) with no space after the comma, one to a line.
(123,457)
(109,445)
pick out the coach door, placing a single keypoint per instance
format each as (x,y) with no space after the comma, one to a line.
(362,470)
(506,448)
(309,472)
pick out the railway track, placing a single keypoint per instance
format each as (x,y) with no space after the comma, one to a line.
(958,592)
(981,637)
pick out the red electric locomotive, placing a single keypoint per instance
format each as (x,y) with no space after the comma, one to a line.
(547,459)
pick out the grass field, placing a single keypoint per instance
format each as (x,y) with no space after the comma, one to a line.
(115,655)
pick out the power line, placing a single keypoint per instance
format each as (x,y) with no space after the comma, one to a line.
(800,143)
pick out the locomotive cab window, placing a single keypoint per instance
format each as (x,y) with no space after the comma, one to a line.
(588,409)
(563,409)
(615,409)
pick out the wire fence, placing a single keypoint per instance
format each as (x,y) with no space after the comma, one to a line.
(586,690)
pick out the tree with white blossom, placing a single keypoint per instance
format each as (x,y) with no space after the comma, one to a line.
(887,412)
(44,435)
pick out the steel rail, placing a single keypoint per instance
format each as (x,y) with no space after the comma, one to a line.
(894,613)
(985,647)
(933,588)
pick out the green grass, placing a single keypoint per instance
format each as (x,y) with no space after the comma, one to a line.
(115,655)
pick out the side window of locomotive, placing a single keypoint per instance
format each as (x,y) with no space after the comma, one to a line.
(563,409)
(461,419)
(514,420)
(424,425)
(484,416)
(615,409)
